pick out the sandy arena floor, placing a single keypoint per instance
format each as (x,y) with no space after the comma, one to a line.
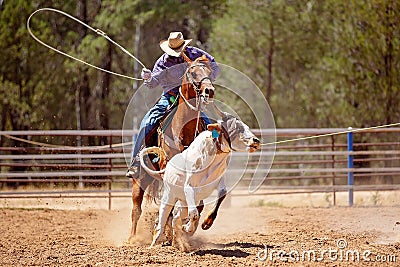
(45,237)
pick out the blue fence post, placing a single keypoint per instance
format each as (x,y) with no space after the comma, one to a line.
(350,165)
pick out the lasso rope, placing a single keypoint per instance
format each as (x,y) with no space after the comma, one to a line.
(264,144)
(98,31)
(350,130)
(69,147)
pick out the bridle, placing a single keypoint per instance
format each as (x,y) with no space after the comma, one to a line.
(197,87)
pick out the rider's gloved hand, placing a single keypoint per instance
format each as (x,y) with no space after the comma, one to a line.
(145,74)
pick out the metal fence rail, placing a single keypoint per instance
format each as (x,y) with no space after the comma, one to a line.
(326,164)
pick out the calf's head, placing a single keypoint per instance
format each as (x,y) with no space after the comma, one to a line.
(236,133)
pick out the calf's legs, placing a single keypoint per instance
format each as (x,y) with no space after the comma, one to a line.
(166,206)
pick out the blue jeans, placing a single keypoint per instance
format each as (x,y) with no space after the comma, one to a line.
(151,120)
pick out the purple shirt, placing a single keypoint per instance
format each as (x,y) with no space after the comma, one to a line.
(168,71)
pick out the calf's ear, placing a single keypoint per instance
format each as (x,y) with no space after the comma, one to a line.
(215,129)
(214,126)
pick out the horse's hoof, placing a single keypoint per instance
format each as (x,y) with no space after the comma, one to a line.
(207,224)
(130,241)
(181,247)
(166,243)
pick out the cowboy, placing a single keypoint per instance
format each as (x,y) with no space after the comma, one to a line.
(167,72)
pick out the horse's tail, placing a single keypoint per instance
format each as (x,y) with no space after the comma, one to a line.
(154,191)
(161,161)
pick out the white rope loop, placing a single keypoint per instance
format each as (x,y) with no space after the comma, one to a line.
(98,31)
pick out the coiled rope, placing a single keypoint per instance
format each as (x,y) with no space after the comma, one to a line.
(98,31)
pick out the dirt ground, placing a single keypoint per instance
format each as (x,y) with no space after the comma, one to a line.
(244,236)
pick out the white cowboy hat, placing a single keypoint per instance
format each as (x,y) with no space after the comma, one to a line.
(175,44)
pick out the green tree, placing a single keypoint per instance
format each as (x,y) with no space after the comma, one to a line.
(320,63)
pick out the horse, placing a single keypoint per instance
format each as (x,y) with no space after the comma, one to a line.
(195,173)
(195,92)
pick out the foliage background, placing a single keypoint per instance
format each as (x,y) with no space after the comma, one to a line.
(325,63)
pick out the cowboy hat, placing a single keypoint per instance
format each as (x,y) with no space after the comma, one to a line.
(175,44)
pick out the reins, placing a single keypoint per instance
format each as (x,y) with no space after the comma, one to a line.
(198,84)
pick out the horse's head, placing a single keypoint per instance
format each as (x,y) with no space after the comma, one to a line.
(236,133)
(198,75)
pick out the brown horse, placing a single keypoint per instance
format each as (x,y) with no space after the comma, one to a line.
(196,92)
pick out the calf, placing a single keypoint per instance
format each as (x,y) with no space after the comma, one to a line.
(194,174)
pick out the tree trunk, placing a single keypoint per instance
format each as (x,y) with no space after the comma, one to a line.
(136,66)
(87,117)
(389,72)
(270,61)
(389,60)
(104,87)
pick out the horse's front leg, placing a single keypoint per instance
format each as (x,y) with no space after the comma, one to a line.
(138,188)
(209,220)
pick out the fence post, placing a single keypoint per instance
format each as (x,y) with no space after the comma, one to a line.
(79,144)
(350,165)
(110,177)
(333,173)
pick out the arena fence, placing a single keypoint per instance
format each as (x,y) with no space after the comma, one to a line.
(92,164)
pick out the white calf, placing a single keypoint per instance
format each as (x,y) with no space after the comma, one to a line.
(194,174)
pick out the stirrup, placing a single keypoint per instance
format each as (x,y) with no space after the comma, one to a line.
(133,171)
